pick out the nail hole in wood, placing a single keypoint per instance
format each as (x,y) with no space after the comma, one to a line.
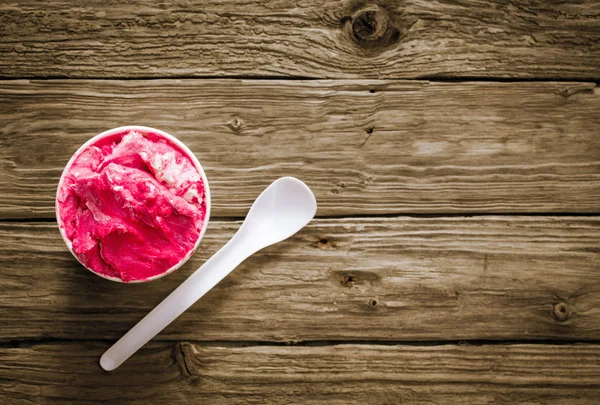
(369,130)
(373,302)
(323,243)
(561,312)
(348,280)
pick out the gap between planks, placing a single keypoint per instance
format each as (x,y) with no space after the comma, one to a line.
(22,343)
(432,79)
(373,216)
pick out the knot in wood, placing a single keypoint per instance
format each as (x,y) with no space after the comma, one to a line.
(370,24)
(235,124)
(561,312)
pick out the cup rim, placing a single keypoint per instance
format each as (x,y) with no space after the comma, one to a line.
(176,142)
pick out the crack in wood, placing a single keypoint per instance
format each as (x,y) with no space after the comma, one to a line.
(179,357)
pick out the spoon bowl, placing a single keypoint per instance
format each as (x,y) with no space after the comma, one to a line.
(282,209)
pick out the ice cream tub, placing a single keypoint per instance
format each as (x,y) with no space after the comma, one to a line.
(133,204)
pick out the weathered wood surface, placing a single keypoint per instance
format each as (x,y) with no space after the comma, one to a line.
(365,147)
(322,39)
(378,147)
(392,279)
(187,373)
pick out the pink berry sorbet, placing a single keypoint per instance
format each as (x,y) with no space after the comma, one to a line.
(132,205)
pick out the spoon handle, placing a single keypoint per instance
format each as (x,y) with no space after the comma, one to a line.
(199,283)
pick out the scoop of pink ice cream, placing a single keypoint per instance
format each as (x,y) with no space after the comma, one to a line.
(132,205)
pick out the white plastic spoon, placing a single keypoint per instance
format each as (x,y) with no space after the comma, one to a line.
(280,211)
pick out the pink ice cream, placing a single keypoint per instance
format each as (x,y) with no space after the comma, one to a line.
(132,205)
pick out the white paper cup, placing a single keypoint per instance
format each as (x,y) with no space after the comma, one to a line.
(142,130)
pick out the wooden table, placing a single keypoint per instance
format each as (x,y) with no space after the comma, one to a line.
(454,149)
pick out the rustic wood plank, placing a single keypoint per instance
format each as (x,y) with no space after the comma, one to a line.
(485,278)
(365,147)
(322,39)
(186,373)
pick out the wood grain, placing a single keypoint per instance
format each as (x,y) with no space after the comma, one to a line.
(186,373)
(394,279)
(320,39)
(365,147)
